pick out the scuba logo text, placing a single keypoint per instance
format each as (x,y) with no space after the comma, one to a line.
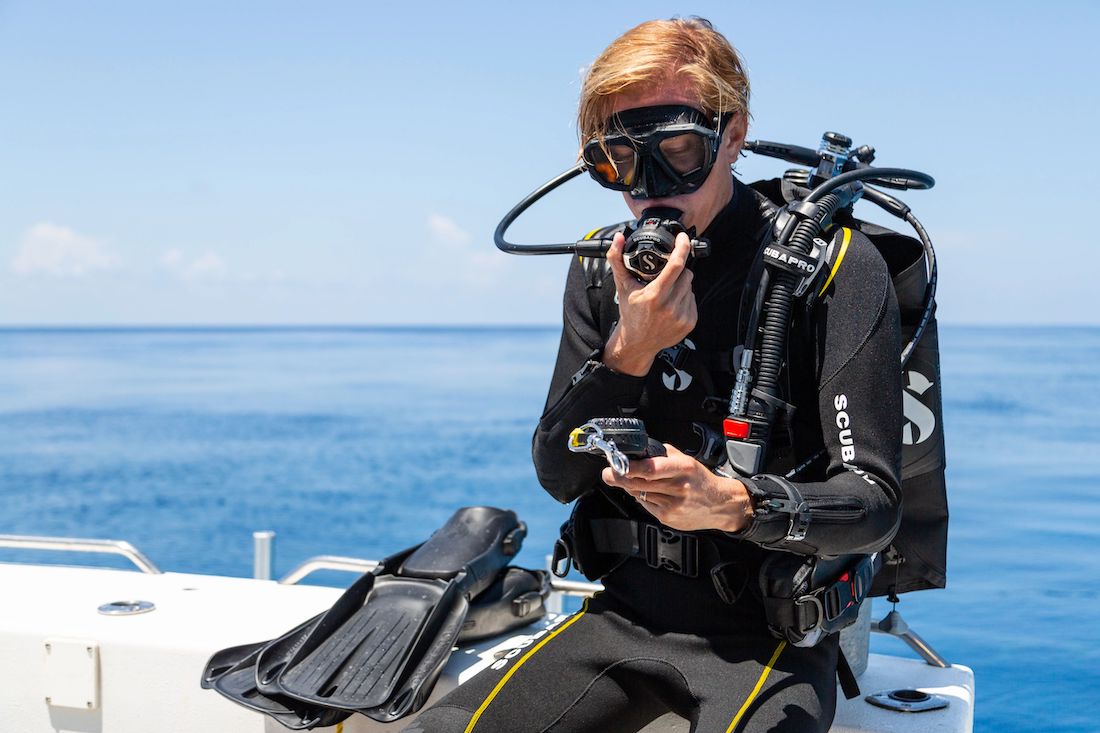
(847,441)
(801,264)
(844,423)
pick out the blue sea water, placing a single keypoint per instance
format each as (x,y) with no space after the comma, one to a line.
(359,442)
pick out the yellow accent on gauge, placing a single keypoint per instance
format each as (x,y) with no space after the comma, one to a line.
(518,664)
(759,685)
(839,258)
(575,437)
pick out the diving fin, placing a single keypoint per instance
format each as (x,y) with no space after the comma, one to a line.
(225,660)
(233,674)
(383,644)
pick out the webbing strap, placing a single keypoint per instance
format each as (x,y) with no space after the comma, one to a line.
(845,676)
(662,548)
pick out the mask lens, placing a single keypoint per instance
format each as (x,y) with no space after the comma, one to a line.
(615,171)
(685,154)
(625,159)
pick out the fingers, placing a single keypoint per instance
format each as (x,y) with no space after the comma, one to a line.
(677,261)
(624,281)
(661,475)
(666,479)
(629,483)
(644,492)
(641,472)
(680,291)
(654,506)
(691,498)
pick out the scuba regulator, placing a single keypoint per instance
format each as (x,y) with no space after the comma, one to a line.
(649,245)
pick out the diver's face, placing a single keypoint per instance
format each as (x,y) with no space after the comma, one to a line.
(703,204)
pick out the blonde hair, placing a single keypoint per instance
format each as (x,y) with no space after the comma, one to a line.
(658,52)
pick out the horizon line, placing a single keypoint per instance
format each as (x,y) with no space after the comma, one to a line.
(399,326)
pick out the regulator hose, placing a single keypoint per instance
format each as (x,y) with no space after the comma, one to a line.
(798,235)
(593,248)
(778,305)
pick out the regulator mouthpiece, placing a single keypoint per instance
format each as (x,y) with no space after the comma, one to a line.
(651,243)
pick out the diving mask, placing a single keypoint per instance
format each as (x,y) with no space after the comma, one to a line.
(656,151)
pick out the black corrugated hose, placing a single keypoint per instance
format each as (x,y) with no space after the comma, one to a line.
(778,304)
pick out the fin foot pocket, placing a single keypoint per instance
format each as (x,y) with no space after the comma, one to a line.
(381,647)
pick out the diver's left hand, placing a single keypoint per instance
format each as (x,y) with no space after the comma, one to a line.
(684,494)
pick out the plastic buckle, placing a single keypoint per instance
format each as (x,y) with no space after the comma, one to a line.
(559,561)
(838,598)
(666,549)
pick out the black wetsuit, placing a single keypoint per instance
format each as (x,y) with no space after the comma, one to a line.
(656,640)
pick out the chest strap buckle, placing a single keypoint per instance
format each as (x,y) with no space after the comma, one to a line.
(667,549)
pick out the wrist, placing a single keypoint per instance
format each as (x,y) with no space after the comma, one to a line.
(738,512)
(621,356)
(781,516)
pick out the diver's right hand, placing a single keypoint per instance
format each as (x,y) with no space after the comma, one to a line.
(652,316)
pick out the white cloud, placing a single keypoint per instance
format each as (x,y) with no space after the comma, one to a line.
(58,251)
(446,231)
(208,266)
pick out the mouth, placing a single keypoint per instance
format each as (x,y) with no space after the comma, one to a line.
(670,202)
(675,202)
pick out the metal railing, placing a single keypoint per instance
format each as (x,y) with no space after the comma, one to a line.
(577,588)
(76,544)
(327,562)
(891,625)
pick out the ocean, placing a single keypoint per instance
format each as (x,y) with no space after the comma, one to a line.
(361,441)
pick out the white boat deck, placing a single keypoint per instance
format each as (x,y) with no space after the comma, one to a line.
(131,674)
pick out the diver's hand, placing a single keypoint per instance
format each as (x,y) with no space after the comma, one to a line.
(652,316)
(684,494)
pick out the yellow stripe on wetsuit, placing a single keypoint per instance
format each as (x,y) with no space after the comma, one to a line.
(759,683)
(504,680)
(839,258)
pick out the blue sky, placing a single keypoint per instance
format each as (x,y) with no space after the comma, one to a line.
(263,163)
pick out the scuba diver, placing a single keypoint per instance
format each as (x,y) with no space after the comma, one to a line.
(702,540)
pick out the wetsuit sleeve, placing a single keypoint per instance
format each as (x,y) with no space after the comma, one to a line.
(857,508)
(582,388)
